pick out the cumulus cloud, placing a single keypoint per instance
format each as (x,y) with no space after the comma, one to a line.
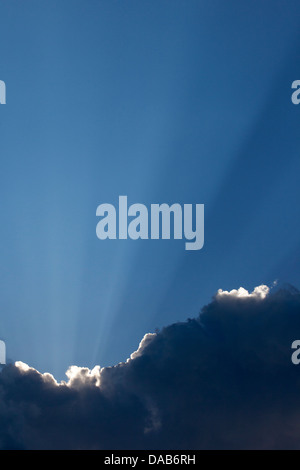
(83,376)
(259,292)
(224,380)
(143,344)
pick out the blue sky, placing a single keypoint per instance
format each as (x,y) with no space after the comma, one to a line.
(161,101)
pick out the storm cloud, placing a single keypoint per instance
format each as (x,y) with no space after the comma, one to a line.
(224,380)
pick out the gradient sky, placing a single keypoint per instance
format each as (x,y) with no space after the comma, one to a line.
(162,101)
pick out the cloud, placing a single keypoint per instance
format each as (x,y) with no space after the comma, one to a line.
(224,380)
(259,292)
(143,344)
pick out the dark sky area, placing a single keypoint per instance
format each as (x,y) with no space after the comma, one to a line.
(224,380)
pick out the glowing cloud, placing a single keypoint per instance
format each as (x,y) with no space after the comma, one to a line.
(143,344)
(82,376)
(224,380)
(259,292)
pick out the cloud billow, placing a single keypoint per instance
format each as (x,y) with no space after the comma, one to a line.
(224,380)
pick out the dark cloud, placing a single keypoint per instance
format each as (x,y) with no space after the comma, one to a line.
(224,380)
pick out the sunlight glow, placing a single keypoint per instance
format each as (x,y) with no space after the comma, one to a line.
(259,292)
